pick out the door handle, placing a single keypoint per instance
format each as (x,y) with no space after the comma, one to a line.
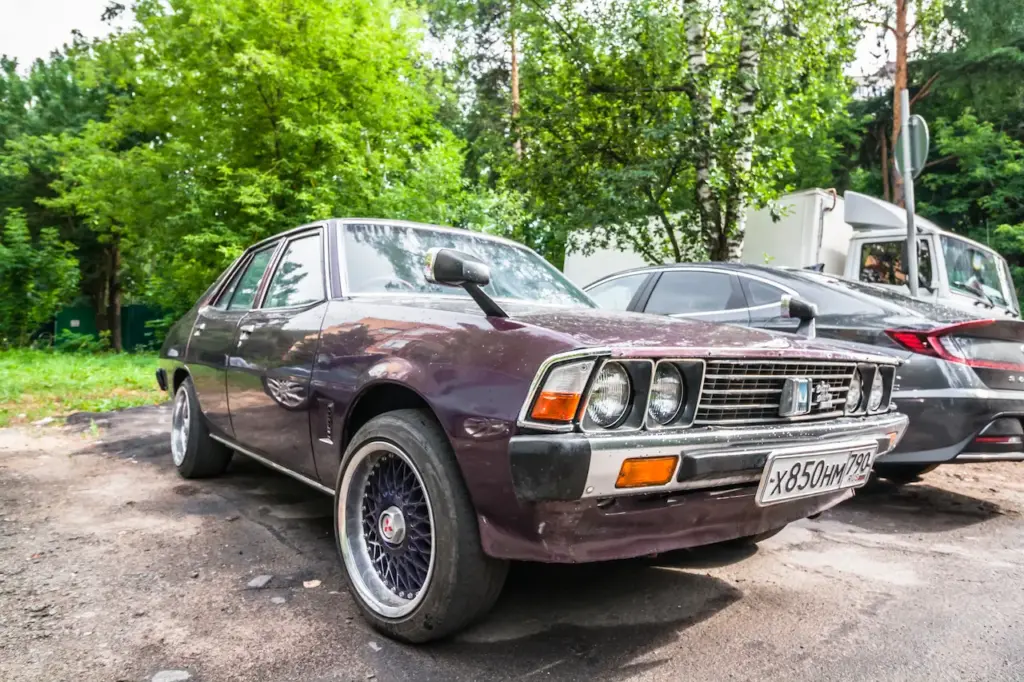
(244,331)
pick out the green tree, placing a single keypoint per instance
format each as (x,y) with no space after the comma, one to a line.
(230,120)
(37,277)
(656,127)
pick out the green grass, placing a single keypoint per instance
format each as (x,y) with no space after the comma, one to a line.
(36,384)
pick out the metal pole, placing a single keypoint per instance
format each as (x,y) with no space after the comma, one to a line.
(908,192)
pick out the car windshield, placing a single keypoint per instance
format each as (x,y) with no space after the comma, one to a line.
(391,259)
(975,271)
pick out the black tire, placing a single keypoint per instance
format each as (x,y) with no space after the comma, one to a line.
(903,474)
(463,583)
(203,457)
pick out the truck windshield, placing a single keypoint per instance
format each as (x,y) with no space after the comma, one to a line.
(976,272)
(389,259)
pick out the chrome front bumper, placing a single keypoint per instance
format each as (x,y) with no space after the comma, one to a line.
(579,466)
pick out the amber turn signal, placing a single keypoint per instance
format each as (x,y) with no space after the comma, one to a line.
(646,471)
(554,406)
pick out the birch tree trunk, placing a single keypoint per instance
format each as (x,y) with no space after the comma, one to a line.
(708,212)
(517,142)
(735,224)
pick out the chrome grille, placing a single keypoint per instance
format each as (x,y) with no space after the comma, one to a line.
(744,392)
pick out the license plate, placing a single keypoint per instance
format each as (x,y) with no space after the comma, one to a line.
(792,476)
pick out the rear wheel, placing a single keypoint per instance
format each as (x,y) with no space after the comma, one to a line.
(903,474)
(407,531)
(194,453)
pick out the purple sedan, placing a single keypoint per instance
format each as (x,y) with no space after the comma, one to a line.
(466,405)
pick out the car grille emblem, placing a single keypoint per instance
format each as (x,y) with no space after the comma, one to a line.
(796,397)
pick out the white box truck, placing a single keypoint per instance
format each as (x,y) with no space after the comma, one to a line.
(857,237)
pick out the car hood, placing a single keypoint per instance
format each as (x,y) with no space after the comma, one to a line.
(644,335)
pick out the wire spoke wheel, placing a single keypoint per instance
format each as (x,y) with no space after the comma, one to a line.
(386,524)
(181,423)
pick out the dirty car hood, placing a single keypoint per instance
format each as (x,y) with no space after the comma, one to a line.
(643,335)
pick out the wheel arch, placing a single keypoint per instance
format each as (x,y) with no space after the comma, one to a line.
(178,378)
(379,398)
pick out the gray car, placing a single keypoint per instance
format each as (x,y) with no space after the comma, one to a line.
(962,384)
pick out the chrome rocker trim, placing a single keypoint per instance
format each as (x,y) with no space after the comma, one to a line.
(277,467)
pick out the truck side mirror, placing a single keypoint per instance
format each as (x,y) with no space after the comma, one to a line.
(802,310)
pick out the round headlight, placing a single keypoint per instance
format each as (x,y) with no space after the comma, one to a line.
(609,398)
(853,396)
(666,394)
(875,398)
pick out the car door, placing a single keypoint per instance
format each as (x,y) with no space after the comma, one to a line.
(764,299)
(269,370)
(703,294)
(213,336)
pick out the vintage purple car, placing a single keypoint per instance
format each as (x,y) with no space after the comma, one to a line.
(467,405)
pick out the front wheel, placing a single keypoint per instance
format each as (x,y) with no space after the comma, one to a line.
(407,531)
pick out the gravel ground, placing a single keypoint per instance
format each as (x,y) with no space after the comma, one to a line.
(113,568)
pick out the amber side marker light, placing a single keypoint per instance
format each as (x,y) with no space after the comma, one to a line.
(646,471)
(560,396)
(556,407)
(894,439)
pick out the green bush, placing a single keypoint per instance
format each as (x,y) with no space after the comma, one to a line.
(73,342)
(36,278)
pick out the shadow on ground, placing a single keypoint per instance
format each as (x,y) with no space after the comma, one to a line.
(882,507)
(587,622)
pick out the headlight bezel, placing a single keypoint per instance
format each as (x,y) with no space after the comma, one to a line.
(679,399)
(610,366)
(851,406)
(877,391)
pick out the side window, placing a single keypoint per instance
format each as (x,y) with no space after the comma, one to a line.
(617,293)
(298,279)
(249,282)
(681,292)
(761,293)
(882,262)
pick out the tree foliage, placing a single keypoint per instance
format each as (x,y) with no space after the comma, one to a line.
(655,127)
(37,276)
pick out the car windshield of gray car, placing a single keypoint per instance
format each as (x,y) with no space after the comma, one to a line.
(390,259)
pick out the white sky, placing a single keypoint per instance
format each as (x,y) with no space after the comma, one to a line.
(31,29)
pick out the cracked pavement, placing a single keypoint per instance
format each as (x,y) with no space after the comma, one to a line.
(113,568)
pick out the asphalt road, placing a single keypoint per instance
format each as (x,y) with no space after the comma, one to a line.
(113,568)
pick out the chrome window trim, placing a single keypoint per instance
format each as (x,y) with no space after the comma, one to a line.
(276,262)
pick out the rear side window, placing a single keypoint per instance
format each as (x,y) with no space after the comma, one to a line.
(298,279)
(761,293)
(244,290)
(617,293)
(682,292)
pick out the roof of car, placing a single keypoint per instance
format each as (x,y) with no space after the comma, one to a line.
(386,221)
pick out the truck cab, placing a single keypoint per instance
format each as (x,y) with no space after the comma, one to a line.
(952,270)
